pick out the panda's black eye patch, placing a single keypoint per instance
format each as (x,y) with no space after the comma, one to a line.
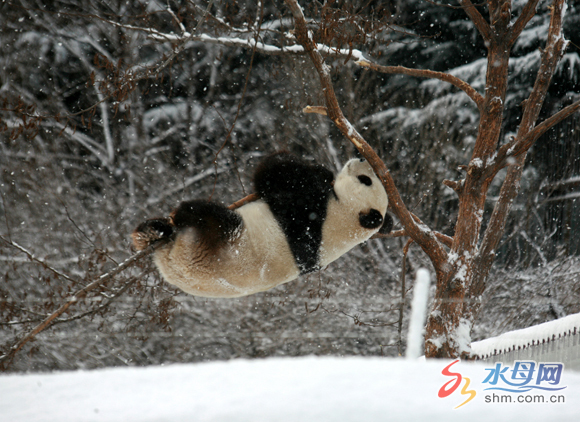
(365,180)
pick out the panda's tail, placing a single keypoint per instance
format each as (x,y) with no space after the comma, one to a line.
(151,231)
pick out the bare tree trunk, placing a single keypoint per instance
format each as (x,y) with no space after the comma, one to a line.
(458,295)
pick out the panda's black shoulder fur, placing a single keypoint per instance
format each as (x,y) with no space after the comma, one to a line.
(297,193)
(283,174)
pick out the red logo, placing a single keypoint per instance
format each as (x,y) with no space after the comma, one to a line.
(450,386)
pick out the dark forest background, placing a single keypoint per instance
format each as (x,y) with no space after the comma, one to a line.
(98,133)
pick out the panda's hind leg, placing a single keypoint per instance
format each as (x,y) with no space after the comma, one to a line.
(215,224)
(151,231)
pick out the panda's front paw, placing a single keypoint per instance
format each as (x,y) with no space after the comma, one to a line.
(387,225)
(370,220)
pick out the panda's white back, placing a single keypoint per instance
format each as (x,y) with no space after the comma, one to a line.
(257,259)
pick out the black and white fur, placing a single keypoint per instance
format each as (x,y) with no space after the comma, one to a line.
(303,221)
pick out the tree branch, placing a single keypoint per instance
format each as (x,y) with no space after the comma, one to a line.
(425,73)
(525,138)
(420,233)
(246,200)
(250,43)
(528,13)
(38,260)
(480,23)
(446,240)
(517,147)
(315,110)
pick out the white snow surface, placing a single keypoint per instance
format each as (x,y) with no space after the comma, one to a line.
(272,390)
(527,336)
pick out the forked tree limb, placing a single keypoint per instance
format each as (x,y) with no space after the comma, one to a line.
(527,134)
(500,13)
(518,148)
(420,233)
(469,271)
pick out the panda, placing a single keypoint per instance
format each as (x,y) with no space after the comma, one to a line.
(303,220)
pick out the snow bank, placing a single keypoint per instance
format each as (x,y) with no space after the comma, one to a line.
(552,330)
(291,389)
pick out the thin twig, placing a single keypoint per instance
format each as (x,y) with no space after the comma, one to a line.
(110,299)
(78,295)
(38,260)
(446,240)
(246,200)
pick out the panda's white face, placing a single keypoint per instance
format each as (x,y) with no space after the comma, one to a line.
(359,192)
(358,185)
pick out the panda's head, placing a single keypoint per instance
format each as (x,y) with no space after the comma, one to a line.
(360,190)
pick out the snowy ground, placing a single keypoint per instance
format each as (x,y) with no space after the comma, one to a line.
(281,389)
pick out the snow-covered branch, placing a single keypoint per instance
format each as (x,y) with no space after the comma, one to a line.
(249,43)
(518,146)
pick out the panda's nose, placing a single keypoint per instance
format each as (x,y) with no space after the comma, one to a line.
(362,160)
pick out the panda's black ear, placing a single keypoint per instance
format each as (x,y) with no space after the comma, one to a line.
(387,224)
